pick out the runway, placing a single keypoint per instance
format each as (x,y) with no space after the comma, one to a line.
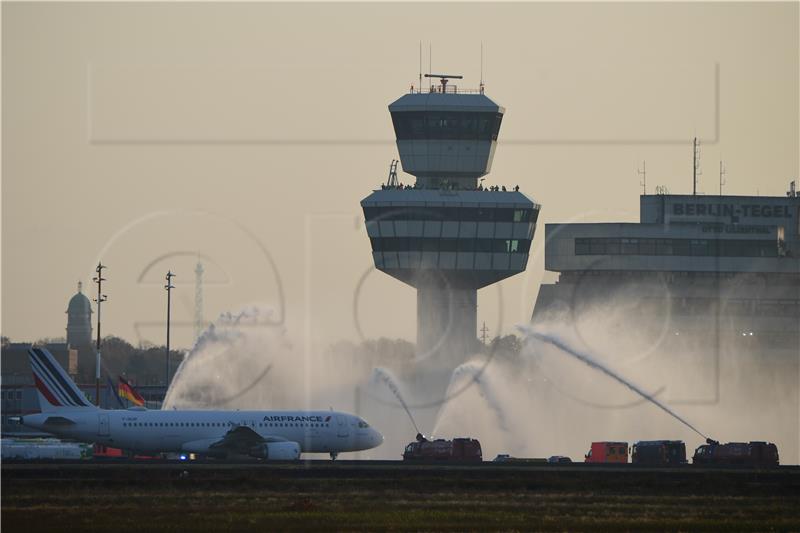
(380,495)
(485,474)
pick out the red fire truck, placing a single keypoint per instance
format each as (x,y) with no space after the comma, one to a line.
(460,449)
(756,453)
(608,452)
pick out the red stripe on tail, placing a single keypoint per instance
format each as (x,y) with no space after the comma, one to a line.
(45,391)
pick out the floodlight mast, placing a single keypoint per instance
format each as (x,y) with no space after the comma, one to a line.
(99,279)
(169,286)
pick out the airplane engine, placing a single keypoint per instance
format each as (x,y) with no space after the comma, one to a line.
(277,451)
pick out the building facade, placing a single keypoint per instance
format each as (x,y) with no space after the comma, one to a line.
(737,256)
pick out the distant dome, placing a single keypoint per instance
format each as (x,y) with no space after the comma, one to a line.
(79,304)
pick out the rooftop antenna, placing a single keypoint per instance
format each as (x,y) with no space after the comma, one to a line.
(430,63)
(484,331)
(481,85)
(643,173)
(695,165)
(420,67)
(722,173)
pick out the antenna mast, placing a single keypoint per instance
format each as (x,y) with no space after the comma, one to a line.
(643,174)
(695,165)
(430,62)
(722,173)
(481,85)
(420,67)
(484,331)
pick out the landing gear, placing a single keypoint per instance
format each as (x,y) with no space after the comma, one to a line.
(334,455)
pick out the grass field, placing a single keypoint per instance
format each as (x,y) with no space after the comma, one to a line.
(346,498)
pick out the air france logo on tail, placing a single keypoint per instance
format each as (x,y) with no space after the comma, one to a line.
(53,383)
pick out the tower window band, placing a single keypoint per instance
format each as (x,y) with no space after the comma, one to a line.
(406,244)
(466,214)
(455,126)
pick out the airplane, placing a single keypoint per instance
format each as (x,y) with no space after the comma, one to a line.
(268,435)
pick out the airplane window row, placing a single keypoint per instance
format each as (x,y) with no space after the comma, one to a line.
(218,424)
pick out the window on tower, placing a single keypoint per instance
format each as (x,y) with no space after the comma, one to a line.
(466,126)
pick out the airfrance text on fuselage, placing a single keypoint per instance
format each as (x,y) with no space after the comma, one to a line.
(289,418)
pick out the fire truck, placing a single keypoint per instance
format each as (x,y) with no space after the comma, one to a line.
(459,449)
(607,452)
(659,452)
(755,453)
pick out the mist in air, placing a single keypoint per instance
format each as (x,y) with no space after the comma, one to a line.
(578,378)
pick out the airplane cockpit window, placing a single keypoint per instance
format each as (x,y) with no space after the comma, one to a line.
(362,424)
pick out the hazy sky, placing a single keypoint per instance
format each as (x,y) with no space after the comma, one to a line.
(145,134)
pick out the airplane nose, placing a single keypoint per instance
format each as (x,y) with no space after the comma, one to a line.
(377,438)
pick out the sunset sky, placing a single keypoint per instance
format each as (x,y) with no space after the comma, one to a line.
(146,135)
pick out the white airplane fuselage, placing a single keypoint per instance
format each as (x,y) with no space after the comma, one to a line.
(154,431)
(279,435)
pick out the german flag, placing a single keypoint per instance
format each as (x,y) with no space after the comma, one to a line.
(126,391)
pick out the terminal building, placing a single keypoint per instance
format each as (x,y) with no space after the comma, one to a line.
(448,234)
(729,261)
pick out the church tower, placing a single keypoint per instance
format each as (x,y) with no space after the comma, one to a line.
(79,334)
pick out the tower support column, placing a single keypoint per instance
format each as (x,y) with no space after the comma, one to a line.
(447,322)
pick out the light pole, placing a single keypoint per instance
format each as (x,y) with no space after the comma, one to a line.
(169,286)
(99,279)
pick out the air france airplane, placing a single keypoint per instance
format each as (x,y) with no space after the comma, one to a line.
(274,435)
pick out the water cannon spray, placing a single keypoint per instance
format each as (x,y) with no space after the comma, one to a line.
(590,361)
(383,375)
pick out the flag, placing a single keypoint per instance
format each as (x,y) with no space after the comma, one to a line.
(129,393)
(111,388)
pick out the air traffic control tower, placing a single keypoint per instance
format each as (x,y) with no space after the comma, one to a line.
(448,234)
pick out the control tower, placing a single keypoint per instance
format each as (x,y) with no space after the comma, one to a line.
(449,233)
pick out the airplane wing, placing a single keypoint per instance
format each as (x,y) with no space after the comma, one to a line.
(242,439)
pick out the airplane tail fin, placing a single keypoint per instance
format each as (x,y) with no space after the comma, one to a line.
(55,388)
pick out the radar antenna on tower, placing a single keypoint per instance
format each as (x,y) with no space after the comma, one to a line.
(443,79)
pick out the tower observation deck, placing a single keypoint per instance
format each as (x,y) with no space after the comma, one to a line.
(447,235)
